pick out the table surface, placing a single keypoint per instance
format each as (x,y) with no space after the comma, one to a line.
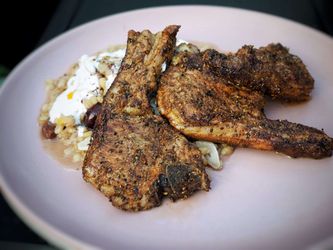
(71,13)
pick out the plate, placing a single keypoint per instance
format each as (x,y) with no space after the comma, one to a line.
(260,199)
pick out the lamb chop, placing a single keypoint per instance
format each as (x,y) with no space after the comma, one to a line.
(202,102)
(271,70)
(136,158)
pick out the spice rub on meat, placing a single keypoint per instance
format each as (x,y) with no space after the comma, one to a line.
(271,70)
(135,157)
(204,102)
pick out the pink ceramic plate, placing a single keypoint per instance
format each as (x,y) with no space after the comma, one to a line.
(260,200)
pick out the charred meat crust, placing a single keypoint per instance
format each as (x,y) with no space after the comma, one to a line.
(154,152)
(204,105)
(136,158)
(271,70)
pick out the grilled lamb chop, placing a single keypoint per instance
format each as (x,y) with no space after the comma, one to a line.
(135,157)
(271,70)
(202,103)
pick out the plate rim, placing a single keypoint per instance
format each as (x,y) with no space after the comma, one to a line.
(50,233)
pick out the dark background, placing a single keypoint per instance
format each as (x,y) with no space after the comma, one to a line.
(29,24)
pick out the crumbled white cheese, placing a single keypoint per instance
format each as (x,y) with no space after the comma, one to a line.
(84,145)
(80,131)
(84,84)
(180,41)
